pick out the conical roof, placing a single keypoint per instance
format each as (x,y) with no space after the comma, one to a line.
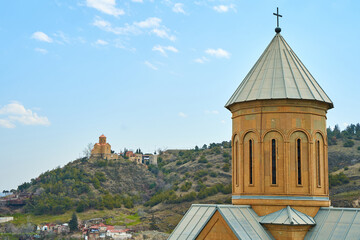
(279,74)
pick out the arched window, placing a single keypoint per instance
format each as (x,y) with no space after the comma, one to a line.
(317,149)
(273,161)
(250,161)
(298,151)
(236,163)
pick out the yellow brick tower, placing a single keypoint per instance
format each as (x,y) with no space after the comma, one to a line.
(280,186)
(279,147)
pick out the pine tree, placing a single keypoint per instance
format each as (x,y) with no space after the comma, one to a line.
(73,224)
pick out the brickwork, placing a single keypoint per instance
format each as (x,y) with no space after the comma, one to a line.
(280,149)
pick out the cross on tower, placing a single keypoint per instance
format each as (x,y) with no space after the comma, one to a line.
(277,29)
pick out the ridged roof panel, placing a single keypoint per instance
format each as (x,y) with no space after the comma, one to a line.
(242,220)
(287,216)
(279,74)
(335,224)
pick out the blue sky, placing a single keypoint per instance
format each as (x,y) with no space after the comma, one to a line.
(151,74)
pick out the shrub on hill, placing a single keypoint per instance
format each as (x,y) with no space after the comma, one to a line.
(338,179)
(349,143)
(226,167)
(199,174)
(203,159)
(186,186)
(171,197)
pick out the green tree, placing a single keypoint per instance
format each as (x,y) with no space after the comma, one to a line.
(73,224)
(203,159)
(187,185)
(226,167)
(349,143)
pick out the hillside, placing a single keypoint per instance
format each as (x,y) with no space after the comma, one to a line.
(181,177)
(156,197)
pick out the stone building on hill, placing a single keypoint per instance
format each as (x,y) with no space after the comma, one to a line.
(102,149)
(280,186)
(137,158)
(150,158)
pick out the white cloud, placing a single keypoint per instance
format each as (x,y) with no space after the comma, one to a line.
(179,8)
(211,112)
(41,50)
(105,6)
(137,1)
(201,60)
(150,25)
(122,44)
(183,115)
(6,123)
(163,49)
(224,8)
(219,53)
(106,26)
(16,112)
(223,121)
(62,36)
(101,42)
(163,34)
(150,65)
(40,36)
(151,22)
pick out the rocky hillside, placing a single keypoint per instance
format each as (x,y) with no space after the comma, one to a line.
(163,192)
(160,195)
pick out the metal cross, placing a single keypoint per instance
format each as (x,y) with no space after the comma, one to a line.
(277,16)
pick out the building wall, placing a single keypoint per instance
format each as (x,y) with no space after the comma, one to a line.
(153,159)
(150,158)
(103,149)
(278,132)
(216,229)
(138,158)
(6,219)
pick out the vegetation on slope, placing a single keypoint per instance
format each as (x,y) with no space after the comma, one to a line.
(83,184)
(165,191)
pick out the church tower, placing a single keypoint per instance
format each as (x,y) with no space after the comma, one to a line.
(280,184)
(279,141)
(102,139)
(102,149)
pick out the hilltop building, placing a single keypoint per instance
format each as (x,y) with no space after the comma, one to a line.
(129,154)
(280,184)
(150,158)
(140,158)
(136,157)
(103,149)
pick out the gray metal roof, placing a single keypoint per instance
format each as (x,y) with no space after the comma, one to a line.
(193,222)
(279,74)
(336,224)
(288,216)
(241,219)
